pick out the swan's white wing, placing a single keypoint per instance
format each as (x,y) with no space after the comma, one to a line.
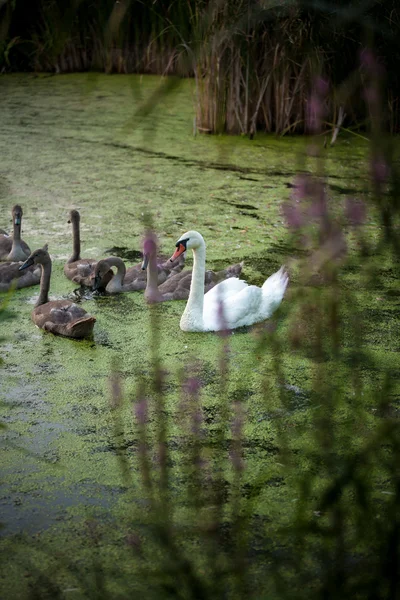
(273,290)
(276,280)
(247,305)
(238,309)
(224,289)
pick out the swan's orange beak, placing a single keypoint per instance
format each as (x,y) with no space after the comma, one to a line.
(180,250)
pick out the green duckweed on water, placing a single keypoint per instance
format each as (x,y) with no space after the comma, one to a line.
(88,142)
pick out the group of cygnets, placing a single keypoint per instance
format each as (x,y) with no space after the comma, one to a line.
(216,300)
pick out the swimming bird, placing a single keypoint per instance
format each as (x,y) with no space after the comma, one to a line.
(61,317)
(177,286)
(12,248)
(134,278)
(11,276)
(229,304)
(77,269)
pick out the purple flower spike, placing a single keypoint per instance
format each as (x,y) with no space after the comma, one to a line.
(305,186)
(116,390)
(380,170)
(141,411)
(197,420)
(371,96)
(302,187)
(333,249)
(355,211)
(338,245)
(319,205)
(238,421)
(150,243)
(313,114)
(192,386)
(322,86)
(316,108)
(370,63)
(236,460)
(293,215)
(224,331)
(367,59)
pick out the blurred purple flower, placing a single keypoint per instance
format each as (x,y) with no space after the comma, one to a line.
(333,248)
(321,86)
(374,71)
(314,114)
(116,390)
(302,187)
(379,170)
(293,215)
(319,205)
(370,63)
(367,59)
(355,211)
(224,331)
(197,420)
(316,108)
(192,386)
(371,95)
(238,421)
(236,459)
(141,411)
(337,244)
(150,242)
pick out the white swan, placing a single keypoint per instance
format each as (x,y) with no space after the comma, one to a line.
(231,303)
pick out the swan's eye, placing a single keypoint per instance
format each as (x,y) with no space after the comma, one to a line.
(182,243)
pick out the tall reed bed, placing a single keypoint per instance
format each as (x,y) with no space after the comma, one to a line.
(254,66)
(253,62)
(251,75)
(127,36)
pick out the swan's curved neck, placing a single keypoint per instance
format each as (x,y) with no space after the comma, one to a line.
(151,292)
(117,281)
(16,253)
(76,248)
(16,230)
(192,318)
(44,284)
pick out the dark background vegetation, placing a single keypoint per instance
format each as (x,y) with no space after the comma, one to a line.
(254,60)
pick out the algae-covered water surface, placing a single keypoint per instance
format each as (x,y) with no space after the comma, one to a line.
(90,142)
